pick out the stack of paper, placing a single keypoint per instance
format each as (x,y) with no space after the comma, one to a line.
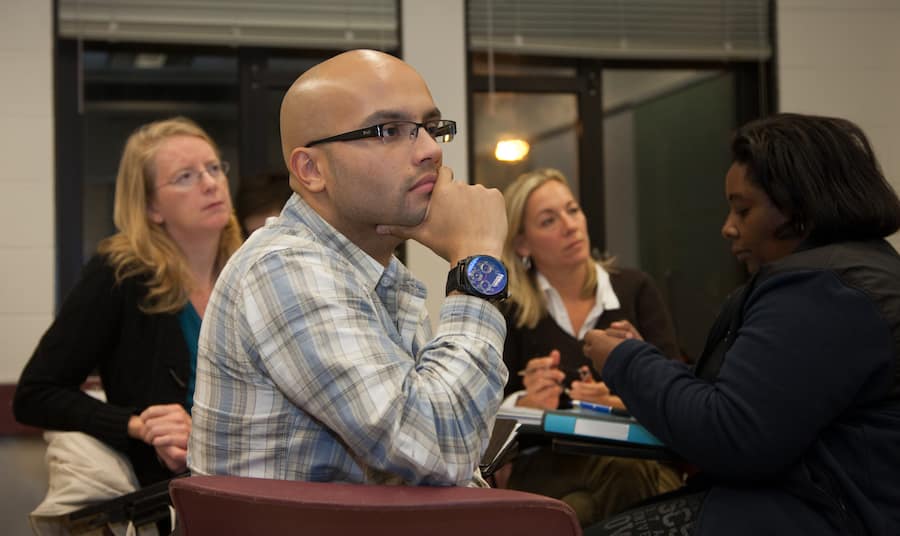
(521,414)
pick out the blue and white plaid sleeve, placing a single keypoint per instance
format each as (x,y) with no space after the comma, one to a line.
(326,341)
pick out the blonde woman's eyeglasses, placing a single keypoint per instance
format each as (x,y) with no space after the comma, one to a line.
(188,178)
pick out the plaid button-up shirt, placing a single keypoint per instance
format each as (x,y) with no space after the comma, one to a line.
(318,363)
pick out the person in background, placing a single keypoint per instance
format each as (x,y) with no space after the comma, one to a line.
(134,315)
(317,359)
(557,293)
(260,197)
(792,415)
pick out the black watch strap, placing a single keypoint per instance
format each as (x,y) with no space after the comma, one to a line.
(457,279)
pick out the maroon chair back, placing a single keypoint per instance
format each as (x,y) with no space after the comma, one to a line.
(223,505)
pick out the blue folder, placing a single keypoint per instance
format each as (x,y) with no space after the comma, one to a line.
(582,423)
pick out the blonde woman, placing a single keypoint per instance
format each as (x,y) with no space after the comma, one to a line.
(557,293)
(134,316)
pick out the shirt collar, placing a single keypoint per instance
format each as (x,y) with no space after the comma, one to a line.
(605,297)
(297,211)
(605,300)
(605,293)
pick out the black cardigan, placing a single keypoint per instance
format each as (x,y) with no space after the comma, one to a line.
(142,360)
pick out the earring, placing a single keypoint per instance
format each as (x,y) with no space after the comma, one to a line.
(526,262)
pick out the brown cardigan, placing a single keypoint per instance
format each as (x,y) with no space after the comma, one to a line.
(639,302)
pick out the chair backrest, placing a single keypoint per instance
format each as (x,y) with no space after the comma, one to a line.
(221,505)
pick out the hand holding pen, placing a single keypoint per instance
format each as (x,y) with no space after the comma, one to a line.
(543,382)
(589,390)
(583,386)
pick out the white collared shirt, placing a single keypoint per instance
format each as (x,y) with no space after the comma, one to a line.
(605,300)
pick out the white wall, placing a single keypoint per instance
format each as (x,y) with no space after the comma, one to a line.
(434,43)
(842,58)
(26,180)
(27,279)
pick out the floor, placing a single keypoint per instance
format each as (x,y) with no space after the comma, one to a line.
(24,479)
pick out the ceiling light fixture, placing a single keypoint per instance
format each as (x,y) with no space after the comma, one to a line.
(511,150)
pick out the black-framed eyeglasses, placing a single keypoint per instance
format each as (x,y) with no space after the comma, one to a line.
(442,130)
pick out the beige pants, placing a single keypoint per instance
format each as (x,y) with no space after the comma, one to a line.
(594,486)
(83,471)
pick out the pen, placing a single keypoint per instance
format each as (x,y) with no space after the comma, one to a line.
(600,408)
(526,371)
(584,374)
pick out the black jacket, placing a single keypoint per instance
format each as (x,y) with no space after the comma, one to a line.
(795,416)
(142,360)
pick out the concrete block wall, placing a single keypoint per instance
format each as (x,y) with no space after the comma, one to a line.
(26,231)
(26,180)
(842,58)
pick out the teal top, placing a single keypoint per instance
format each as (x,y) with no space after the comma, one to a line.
(189,320)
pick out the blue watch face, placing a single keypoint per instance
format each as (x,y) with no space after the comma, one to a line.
(486,274)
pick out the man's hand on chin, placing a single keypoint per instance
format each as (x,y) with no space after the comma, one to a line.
(461,220)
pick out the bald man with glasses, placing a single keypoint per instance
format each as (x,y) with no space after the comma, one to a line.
(317,359)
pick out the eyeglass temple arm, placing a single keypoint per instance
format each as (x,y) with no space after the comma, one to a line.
(368,132)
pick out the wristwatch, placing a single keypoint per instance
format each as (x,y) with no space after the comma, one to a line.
(482,276)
